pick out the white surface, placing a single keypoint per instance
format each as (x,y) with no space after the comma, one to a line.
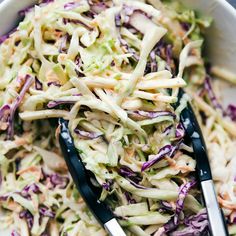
(221,38)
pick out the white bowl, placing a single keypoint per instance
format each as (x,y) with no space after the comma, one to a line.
(221,37)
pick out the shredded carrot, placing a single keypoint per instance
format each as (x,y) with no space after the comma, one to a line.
(184,168)
(171,162)
(226,204)
(34,170)
(20,141)
(11,205)
(226,196)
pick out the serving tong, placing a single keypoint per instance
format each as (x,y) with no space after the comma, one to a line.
(216,218)
(105,216)
(82,181)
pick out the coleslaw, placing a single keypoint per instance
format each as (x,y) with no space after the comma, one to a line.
(113,70)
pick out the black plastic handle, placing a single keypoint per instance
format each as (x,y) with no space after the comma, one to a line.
(80,177)
(194,132)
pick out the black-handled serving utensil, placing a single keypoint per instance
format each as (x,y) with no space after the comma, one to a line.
(82,181)
(217,222)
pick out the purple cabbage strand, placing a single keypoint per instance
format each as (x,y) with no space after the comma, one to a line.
(33,188)
(153,64)
(63,46)
(211,94)
(126,172)
(152,114)
(59,181)
(179,131)
(25,214)
(173,223)
(231,112)
(76,22)
(86,134)
(53,104)
(38,84)
(98,6)
(156,158)
(46,212)
(71,5)
(108,185)
(197,225)
(129,199)
(54,83)
(118,20)
(15,233)
(46,1)
(27,83)
(4,116)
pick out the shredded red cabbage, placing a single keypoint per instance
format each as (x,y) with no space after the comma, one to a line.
(136,184)
(53,104)
(87,135)
(4,198)
(71,5)
(15,233)
(59,181)
(129,198)
(33,188)
(173,223)
(78,61)
(25,214)
(196,225)
(46,1)
(128,12)
(152,114)
(166,205)
(64,39)
(153,64)
(130,50)
(184,189)
(186,26)
(169,56)
(54,84)
(211,94)
(155,158)
(45,211)
(76,22)
(108,185)
(179,131)
(38,84)
(118,20)
(27,83)
(129,174)
(4,116)
(90,14)
(176,147)
(231,112)
(98,6)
